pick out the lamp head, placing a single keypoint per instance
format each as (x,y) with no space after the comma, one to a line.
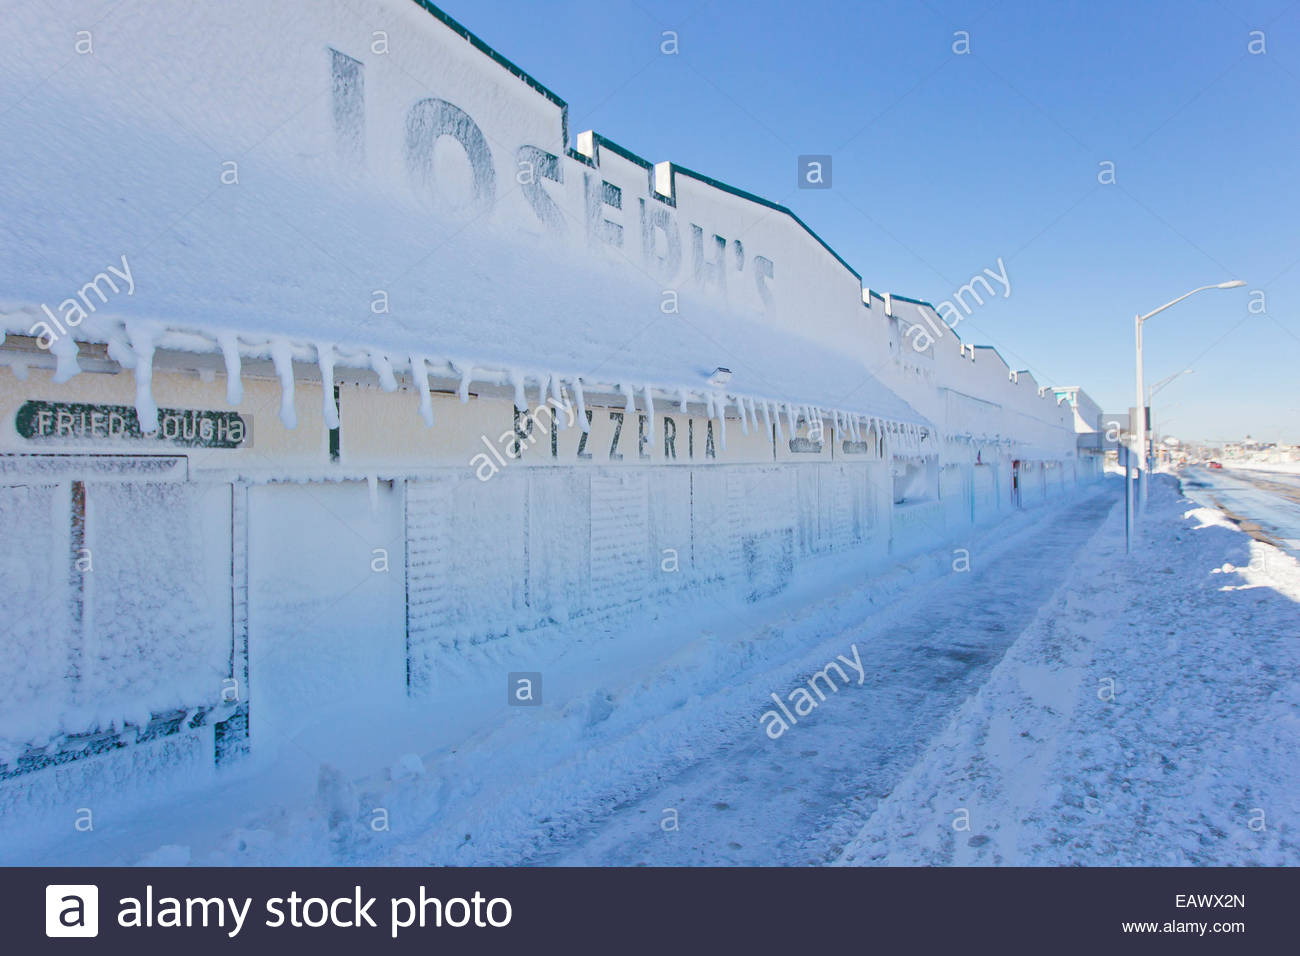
(1231,284)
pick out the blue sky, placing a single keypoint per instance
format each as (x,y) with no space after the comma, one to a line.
(943,163)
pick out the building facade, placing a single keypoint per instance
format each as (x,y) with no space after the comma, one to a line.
(332,362)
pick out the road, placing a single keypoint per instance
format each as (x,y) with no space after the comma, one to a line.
(1264,504)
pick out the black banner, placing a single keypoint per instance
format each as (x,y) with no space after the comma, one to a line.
(155,910)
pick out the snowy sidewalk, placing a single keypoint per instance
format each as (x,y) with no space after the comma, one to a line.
(662,713)
(1149,716)
(794,800)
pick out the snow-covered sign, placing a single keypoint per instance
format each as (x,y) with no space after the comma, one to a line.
(41,421)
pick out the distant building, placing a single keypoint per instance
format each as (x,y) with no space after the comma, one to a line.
(1087,426)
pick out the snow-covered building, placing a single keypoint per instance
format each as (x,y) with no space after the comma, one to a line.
(328,360)
(1087,421)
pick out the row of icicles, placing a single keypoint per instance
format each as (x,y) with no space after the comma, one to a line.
(137,355)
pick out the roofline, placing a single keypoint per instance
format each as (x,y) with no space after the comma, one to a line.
(510,66)
(994,350)
(674,169)
(478,43)
(903,298)
(744,194)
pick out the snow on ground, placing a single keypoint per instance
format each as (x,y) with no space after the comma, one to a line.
(633,713)
(1278,467)
(652,745)
(1191,755)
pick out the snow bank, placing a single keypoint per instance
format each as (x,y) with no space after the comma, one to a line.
(1149,716)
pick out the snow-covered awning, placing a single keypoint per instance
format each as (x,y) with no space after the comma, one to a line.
(270,265)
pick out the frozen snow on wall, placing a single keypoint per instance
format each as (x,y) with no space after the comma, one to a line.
(457,224)
(134,621)
(34,581)
(435,239)
(157,601)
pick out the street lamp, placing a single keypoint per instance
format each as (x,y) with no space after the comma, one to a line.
(1140,432)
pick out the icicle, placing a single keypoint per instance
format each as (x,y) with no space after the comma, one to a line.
(791,421)
(65,351)
(681,405)
(420,372)
(767,420)
(582,405)
(630,409)
(282,356)
(142,344)
(650,415)
(708,405)
(722,424)
(120,352)
(372,486)
(557,396)
(383,367)
(229,343)
(325,360)
(744,419)
(521,400)
(466,373)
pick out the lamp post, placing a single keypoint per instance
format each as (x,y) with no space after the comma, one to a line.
(1140,430)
